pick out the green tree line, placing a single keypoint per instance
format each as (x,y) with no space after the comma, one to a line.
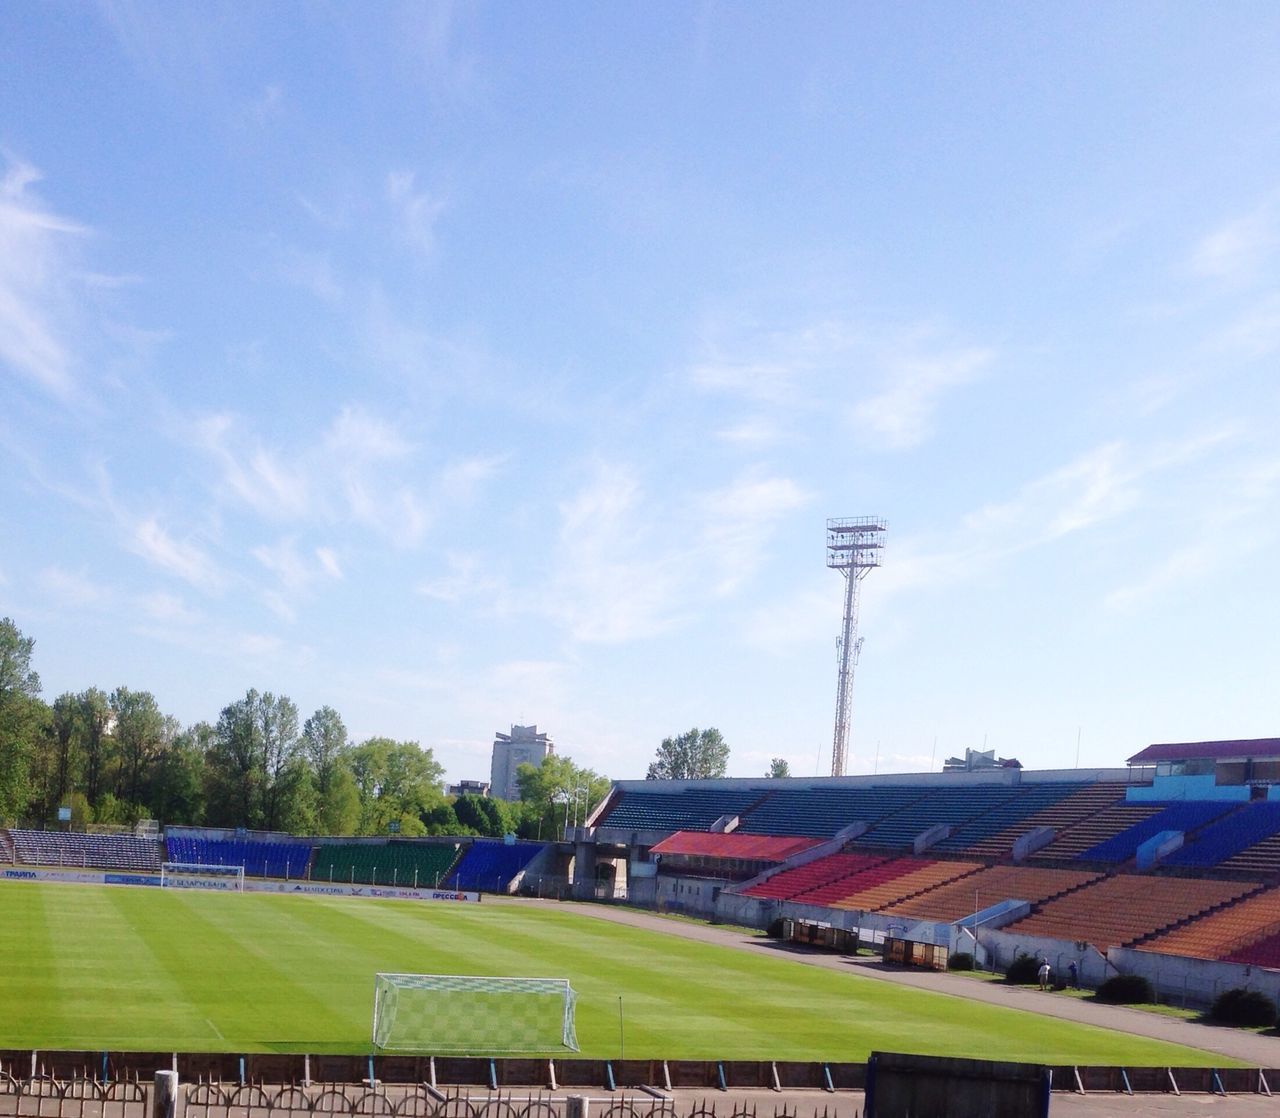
(117,757)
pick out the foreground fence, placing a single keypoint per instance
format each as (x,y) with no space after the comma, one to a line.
(47,1098)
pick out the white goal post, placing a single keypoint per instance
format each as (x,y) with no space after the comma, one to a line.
(194,875)
(472,1014)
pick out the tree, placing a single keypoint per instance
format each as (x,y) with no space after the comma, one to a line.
(96,743)
(778,767)
(554,792)
(138,733)
(21,716)
(397,780)
(327,748)
(693,755)
(175,786)
(485,815)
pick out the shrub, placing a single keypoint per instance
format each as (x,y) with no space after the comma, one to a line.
(1023,971)
(961,960)
(774,930)
(1244,1007)
(1126,989)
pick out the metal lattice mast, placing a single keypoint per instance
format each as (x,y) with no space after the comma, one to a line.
(853,548)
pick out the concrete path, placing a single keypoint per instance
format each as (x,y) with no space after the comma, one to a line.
(1238,1044)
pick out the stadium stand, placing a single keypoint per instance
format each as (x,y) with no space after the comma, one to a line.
(391,863)
(71,848)
(1231,835)
(693,809)
(1220,934)
(490,865)
(943,805)
(1094,829)
(6,847)
(1010,816)
(958,899)
(914,875)
(1264,953)
(259,859)
(1067,812)
(736,845)
(1117,911)
(1187,815)
(820,873)
(1260,858)
(821,812)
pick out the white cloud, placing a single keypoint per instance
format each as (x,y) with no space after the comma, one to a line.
(74,589)
(311,271)
(36,281)
(416,211)
(630,567)
(901,415)
(1238,249)
(182,558)
(465,579)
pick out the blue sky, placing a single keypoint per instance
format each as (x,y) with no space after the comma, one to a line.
(465,365)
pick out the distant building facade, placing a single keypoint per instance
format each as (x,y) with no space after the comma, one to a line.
(975,760)
(524,745)
(468,788)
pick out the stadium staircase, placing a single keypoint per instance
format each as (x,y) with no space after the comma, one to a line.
(980,835)
(955,806)
(6,847)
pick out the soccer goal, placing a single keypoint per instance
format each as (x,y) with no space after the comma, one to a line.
(193,875)
(471,1014)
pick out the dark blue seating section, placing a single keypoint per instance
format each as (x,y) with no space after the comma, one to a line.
(944,805)
(1230,835)
(1185,815)
(1027,801)
(821,812)
(259,859)
(490,865)
(694,809)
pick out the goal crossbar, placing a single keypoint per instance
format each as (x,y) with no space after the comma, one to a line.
(473,1014)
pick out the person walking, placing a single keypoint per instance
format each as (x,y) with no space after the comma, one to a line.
(1044,973)
(1073,973)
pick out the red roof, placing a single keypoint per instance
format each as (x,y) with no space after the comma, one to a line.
(761,848)
(1209,750)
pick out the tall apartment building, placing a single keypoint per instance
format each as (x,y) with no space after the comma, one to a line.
(524,745)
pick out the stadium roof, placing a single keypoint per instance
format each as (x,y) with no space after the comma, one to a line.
(760,848)
(1238,749)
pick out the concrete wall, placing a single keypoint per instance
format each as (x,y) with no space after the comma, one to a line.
(1003,947)
(1194,982)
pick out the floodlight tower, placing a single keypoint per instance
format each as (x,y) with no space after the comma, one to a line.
(854,544)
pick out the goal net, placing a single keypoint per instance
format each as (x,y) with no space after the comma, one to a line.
(193,875)
(472,1014)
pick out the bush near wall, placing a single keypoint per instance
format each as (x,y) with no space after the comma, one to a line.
(1023,971)
(1239,1006)
(1126,989)
(961,960)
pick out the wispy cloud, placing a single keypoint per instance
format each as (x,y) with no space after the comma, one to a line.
(1238,249)
(36,279)
(417,211)
(889,380)
(901,415)
(632,567)
(183,558)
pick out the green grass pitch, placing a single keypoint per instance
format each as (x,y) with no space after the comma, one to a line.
(148,969)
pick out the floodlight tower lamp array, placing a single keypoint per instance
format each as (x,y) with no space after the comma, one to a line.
(854,545)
